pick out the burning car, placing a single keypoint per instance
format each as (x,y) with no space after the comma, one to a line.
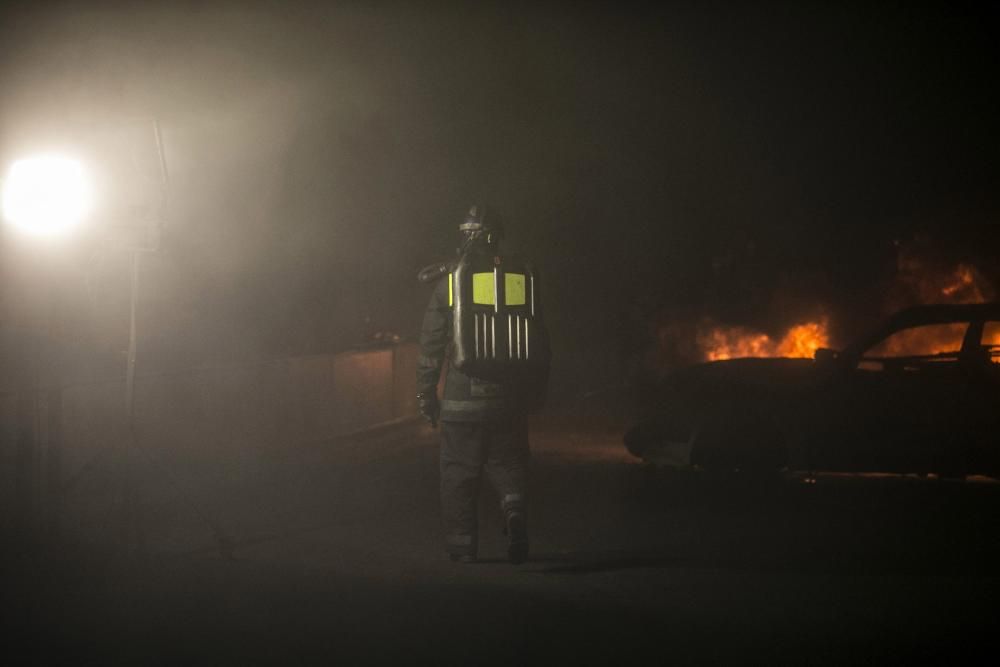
(921,394)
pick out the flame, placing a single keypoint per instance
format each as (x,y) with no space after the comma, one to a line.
(963,279)
(965,285)
(801,340)
(922,276)
(729,343)
(923,281)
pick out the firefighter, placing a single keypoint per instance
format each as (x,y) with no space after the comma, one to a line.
(483,321)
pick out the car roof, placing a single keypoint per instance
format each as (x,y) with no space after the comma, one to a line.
(939,313)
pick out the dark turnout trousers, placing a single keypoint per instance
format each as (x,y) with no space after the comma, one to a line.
(467,449)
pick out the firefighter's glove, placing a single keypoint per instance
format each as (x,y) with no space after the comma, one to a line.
(429,407)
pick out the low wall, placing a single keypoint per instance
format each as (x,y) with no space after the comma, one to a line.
(60,443)
(277,403)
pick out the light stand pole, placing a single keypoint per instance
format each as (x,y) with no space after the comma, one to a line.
(151,245)
(134,536)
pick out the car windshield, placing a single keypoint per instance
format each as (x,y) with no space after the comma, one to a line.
(991,340)
(926,343)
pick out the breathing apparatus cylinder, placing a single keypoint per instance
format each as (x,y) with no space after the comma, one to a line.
(498,332)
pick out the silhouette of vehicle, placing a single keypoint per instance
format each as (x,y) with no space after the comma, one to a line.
(921,394)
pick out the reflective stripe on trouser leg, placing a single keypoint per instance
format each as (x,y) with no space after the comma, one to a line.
(507,467)
(460,543)
(513,502)
(507,463)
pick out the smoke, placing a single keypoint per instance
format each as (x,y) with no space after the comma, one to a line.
(275,139)
(701,164)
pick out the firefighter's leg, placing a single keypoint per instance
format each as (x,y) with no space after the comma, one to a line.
(507,467)
(462,459)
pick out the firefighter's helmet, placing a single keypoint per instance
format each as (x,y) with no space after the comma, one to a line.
(481,225)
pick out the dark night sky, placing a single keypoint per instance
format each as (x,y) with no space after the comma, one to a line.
(320,155)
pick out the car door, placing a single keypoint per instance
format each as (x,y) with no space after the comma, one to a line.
(974,445)
(889,410)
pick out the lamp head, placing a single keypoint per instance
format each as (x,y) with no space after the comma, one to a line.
(46,195)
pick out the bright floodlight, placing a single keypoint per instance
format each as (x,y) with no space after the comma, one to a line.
(46,194)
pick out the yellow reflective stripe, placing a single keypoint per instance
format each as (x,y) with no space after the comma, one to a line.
(482,288)
(514,289)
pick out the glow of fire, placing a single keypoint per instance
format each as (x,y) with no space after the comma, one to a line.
(962,286)
(801,340)
(917,281)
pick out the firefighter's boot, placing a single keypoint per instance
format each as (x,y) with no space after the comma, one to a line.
(516,529)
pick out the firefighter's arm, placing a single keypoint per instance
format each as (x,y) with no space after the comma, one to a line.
(434,336)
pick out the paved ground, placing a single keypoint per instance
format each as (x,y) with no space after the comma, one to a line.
(338,559)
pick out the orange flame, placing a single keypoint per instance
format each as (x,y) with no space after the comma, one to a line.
(964,286)
(923,282)
(802,340)
(919,279)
